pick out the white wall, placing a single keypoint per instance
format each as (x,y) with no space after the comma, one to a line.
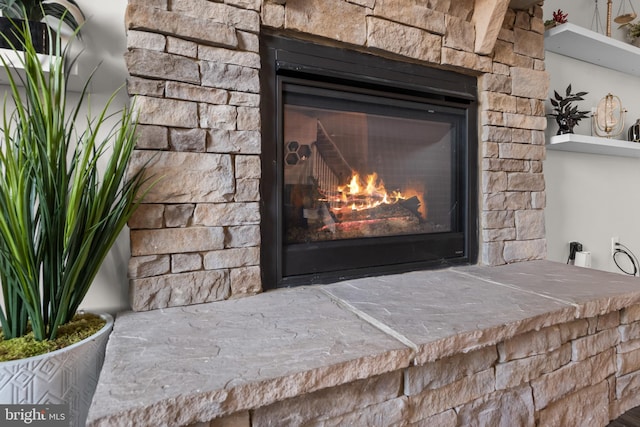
(591,198)
(104,42)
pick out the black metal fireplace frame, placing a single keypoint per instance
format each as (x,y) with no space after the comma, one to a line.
(290,60)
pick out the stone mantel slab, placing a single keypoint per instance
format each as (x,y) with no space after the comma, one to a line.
(180,366)
(592,292)
(220,358)
(444,312)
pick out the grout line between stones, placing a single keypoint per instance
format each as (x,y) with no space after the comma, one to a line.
(517,288)
(373,322)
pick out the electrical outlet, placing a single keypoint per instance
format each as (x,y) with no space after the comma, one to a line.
(614,244)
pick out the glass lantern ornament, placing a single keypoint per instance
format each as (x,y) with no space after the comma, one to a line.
(608,118)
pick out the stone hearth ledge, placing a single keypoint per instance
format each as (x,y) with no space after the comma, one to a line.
(180,366)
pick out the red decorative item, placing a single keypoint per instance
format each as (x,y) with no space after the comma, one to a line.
(560,17)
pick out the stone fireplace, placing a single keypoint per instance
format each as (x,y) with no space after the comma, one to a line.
(195,68)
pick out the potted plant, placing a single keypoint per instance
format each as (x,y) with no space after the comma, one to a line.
(566,114)
(633,32)
(559,17)
(64,198)
(37,12)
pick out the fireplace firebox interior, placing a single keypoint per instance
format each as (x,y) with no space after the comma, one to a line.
(369,165)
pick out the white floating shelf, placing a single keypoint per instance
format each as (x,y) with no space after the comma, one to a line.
(594,145)
(589,46)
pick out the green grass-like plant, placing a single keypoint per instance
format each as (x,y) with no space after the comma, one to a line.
(64,192)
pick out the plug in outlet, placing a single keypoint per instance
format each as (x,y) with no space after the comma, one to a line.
(573,248)
(614,244)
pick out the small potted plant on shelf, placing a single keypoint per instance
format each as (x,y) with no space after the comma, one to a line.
(64,198)
(559,17)
(566,114)
(633,32)
(35,11)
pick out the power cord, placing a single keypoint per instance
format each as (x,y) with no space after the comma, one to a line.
(622,249)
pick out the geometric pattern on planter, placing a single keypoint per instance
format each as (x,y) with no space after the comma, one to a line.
(68,375)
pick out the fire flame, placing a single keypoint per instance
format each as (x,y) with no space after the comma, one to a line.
(369,193)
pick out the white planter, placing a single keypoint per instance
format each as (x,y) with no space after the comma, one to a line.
(68,375)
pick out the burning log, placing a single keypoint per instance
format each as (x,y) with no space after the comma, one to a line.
(382,220)
(380,212)
(376,227)
(351,211)
(413,205)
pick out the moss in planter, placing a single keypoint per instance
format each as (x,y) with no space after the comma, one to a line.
(80,327)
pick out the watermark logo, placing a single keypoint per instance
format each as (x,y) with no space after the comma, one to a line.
(34,415)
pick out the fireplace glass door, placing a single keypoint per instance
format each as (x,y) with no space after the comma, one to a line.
(362,166)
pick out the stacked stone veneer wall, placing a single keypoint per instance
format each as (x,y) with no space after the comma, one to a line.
(583,373)
(195,65)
